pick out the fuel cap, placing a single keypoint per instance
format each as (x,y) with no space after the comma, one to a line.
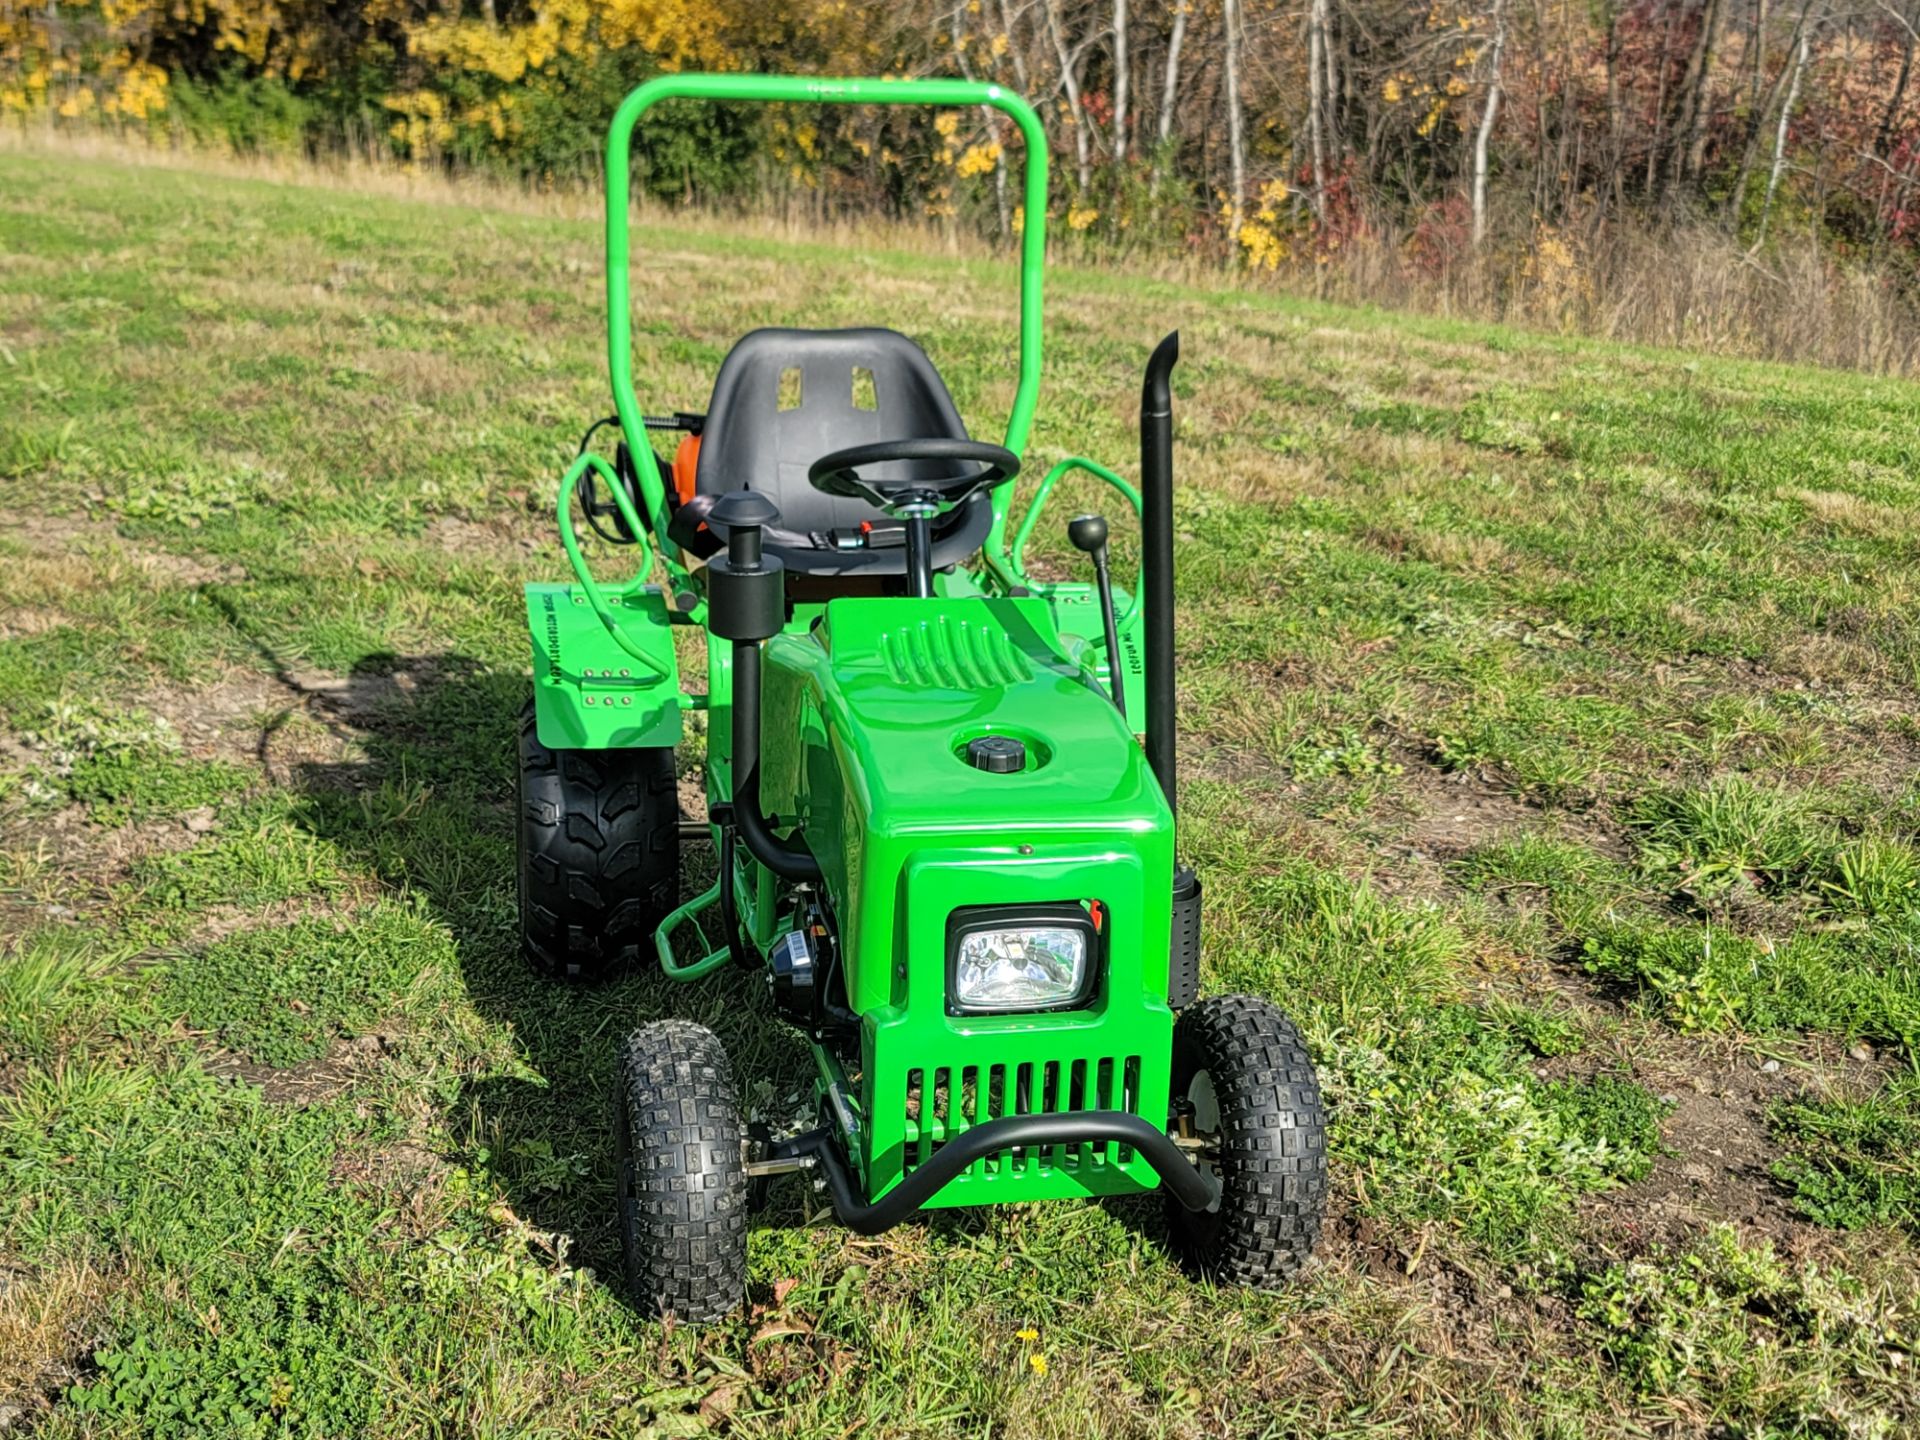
(997,754)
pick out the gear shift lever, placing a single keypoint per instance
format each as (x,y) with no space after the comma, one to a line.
(1088,533)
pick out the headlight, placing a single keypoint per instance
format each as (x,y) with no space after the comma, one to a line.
(1003,961)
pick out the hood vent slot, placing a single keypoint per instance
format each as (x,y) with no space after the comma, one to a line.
(949,654)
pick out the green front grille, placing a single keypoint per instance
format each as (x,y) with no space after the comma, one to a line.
(944,1103)
(939,1102)
(926,1076)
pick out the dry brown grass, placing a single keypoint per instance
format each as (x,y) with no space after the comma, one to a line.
(369,173)
(1689,285)
(1851,512)
(46,1319)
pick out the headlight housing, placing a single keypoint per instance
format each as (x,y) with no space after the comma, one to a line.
(1005,961)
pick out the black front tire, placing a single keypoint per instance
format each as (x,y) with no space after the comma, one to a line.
(598,854)
(1240,1061)
(680,1148)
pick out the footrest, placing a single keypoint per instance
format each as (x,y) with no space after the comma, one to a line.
(663,939)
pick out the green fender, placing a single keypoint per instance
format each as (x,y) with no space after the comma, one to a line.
(588,692)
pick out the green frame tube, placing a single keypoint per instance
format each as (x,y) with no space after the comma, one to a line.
(1014,570)
(799,90)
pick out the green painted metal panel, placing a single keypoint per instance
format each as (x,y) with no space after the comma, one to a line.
(865,720)
(1114,1055)
(588,692)
(1076,615)
(904,684)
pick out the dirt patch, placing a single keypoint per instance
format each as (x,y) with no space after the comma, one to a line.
(297,720)
(225,921)
(692,790)
(38,532)
(370,695)
(1468,1314)
(233,719)
(410,1178)
(332,1074)
(1721,1151)
(1717,1172)
(24,620)
(294,743)
(184,570)
(1458,811)
(1361,1242)
(63,865)
(1437,817)
(459,536)
(1458,814)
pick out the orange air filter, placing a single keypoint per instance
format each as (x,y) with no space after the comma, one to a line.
(685,461)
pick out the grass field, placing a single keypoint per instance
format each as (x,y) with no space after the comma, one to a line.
(1549,741)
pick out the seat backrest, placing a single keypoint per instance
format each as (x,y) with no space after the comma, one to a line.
(784,398)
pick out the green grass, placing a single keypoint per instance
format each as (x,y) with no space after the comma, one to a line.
(280,995)
(1846,982)
(1854,1161)
(1737,1322)
(120,764)
(1547,745)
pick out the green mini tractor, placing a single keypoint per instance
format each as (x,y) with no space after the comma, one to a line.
(940,792)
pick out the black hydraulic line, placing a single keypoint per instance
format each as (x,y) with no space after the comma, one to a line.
(789,860)
(743,949)
(746,603)
(1192,1186)
(1156,539)
(593,430)
(1112,633)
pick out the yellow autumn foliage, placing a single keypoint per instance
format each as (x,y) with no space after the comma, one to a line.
(978,159)
(1262,236)
(84,57)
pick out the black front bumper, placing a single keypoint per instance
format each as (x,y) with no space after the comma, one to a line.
(1194,1187)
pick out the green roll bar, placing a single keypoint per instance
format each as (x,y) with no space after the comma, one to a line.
(798,90)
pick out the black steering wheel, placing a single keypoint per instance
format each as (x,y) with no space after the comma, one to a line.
(838,473)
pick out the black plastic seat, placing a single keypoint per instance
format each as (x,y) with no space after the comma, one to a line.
(840,388)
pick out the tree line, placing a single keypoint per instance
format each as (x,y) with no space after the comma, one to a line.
(1275,132)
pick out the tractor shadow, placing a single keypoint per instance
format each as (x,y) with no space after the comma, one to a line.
(408,767)
(419,789)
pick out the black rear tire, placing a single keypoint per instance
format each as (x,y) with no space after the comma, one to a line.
(680,1147)
(599,854)
(1241,1063)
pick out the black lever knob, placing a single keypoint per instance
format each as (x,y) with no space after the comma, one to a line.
(742,514)
(1088,533)
(743,507)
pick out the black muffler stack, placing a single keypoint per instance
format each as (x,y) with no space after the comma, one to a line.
(1156,540)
